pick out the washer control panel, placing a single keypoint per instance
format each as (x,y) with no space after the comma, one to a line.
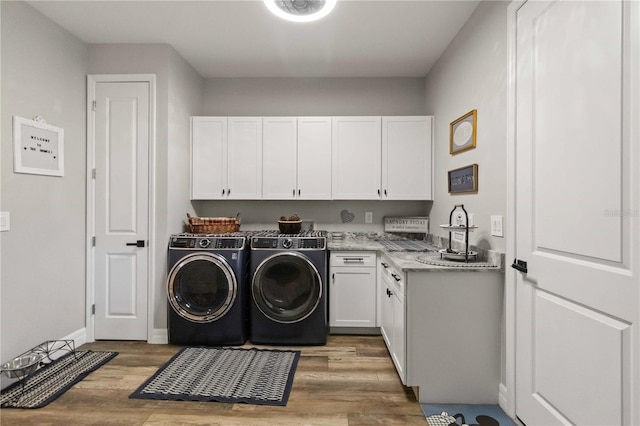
(206,242)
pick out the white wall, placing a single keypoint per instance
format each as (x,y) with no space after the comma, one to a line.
(313,96)
(43,255)
(178,96)
(472,74)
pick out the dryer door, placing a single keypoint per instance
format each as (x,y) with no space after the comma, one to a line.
(287,287)
(202,287)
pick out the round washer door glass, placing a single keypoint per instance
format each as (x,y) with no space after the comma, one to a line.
(286,287)
(202,287)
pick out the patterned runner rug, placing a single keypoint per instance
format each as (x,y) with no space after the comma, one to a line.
(49,382)
(254,376)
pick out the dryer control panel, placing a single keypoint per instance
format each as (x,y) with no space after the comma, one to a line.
(288,243)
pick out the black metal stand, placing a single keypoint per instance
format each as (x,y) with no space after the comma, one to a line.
(48,350)
(466,230)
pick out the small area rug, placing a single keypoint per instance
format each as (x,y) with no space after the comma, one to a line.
(49,382)
(467,414)
(253,376)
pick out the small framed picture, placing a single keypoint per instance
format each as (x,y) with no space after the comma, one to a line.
(462,133)
(38,148)
(463,180)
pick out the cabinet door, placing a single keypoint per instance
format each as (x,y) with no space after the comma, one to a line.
(406,158)
(398,341)
(314,158)
(386,314)
(244,158)
(208,158)
(352,298)
(279,153)
(356,155)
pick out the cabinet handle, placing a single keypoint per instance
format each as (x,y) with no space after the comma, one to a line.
(223,192)
(298,192)
(353,260)
(378,192)
(384,265)
(395,277)
(385,192)
(293,192)
(229,191)
(333,277)
(389,293)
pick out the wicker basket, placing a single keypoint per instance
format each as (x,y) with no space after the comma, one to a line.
(289,226)
(213,225)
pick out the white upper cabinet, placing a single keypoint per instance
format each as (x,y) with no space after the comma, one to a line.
(279,158)
(311,158)
(314,158)
(244,158)
(356,156)
(296,158)
(226,158)
(208,158)
(407,158)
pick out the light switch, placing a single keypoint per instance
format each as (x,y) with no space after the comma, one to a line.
(5,221)
(496,226)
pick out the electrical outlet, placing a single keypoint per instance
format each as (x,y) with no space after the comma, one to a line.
(368,217)
(496,226)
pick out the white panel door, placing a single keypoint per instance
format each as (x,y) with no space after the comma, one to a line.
(314,158)
(352,298)
(356,152)
(208,158)
(577,192)
(121,210)
(279,158)
(244,158)
(406,158)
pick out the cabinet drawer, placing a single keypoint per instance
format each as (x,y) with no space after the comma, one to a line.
(353,258)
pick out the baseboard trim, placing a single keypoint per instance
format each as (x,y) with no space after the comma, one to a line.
(503,397)
(79,337)
(159,336)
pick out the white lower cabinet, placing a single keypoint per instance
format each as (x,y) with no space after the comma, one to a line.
(392,318)
(352,291)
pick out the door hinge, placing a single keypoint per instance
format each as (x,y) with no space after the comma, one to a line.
(93,106)
(93,173)
(93,241)
(93,309)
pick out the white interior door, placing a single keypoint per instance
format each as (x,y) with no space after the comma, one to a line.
(122,116)
(577,191)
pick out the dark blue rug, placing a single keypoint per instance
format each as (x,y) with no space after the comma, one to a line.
(468,414)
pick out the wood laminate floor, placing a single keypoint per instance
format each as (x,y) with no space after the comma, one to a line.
(350,381)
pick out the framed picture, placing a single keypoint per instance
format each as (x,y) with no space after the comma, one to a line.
(463,180)
(38,148)
(462,133)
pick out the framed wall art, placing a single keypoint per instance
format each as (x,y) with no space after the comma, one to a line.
(38,148)
(462,133)
(463,180)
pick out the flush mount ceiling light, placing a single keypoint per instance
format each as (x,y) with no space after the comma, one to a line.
(301,10)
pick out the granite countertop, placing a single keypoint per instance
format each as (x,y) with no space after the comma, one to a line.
(414,261)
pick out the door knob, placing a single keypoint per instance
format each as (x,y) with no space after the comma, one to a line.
(139,243)
(520,265)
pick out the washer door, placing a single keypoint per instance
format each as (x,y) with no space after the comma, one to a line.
(202,287)
(286,287)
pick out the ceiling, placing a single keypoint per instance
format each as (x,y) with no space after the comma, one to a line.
(241,38)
